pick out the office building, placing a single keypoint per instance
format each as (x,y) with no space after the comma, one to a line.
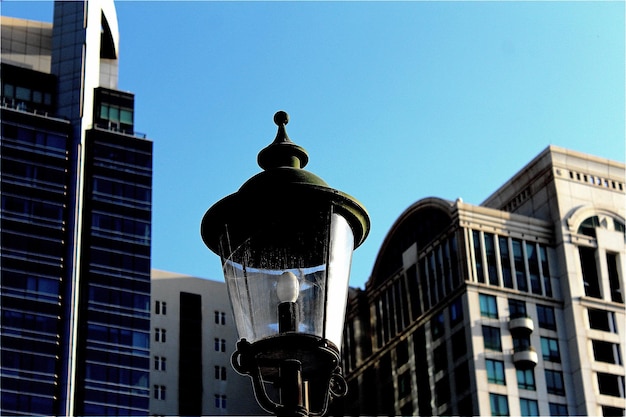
(75,220)
(511,307)
(194,335)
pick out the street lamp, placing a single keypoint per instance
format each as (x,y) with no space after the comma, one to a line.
(286,240)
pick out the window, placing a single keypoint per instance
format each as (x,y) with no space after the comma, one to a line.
(520,268)
(459,344)
(499,405)
(545,270)
(606,352)
(220,372)
(159,392)
(160,307)
(557,409)
(526,379)
(160,363)
(437,327)
(545,316)
(616,291)
(495,371)
(554,382)
(220,317)
(610,384)
(220,401)
(488,306)
(220,345)
(478,257)
(456,312)
(490,253)
(440,357)
(612,411)
(590,271)
(159,335)
(528,407)
(533,267)
(402,353)
(491,336)
(601,320)
(550,349)
(517,309)
(404,384)
(505,262)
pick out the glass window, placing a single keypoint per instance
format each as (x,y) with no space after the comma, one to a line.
(545,270)
(22,93)
(478,256)
(488,306)
(550,349)
(554,382)
(499,405)
(557,409)
(491,336)
(437,327)
(520,268)
(545,315)
(126,116)
(528,407)
(490,252)
(495,371)
(505,262)
(526,379)
(616,290)
(456,312)
(533,267)
(517,309)
(9,90)
(404,384)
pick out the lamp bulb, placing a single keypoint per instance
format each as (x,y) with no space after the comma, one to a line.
(287,287)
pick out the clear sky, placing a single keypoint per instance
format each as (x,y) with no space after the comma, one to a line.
(394,101)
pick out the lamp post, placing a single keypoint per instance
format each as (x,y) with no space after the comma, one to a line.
(286,239)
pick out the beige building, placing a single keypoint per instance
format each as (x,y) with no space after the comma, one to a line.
(193,337)
(512,307)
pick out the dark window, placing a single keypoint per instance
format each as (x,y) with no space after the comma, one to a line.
(533,268)
(610,384)
(590,271)
(402,353)
(520,269)
(437,326)
(606,352)
(601,320)
(505,261)
(404,384)
(459,344)
(440,355)
(488,306)
(554,382)
(442,391)
(557,409)
(517,309)
(545,270)
(616,290)
(491,336)
(456,312)
(545,316)
(608,411)
(478,256)
(490,253)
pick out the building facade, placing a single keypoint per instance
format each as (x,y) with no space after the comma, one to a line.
(512,307)
(75,221)
(194,335)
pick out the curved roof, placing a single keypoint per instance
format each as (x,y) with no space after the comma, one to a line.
(420,223)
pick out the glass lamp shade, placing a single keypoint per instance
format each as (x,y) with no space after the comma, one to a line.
(301,260)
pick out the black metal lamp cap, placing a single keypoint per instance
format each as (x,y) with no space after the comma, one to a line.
(282,152)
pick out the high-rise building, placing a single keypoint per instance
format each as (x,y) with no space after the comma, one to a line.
(512,307)
(194,335)
(75,220)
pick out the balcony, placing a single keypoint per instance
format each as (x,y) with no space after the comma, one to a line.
(521,325)
(525,357)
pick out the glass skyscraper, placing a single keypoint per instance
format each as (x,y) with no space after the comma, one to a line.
(75,221)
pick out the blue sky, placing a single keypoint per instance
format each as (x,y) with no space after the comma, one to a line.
(394,101)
